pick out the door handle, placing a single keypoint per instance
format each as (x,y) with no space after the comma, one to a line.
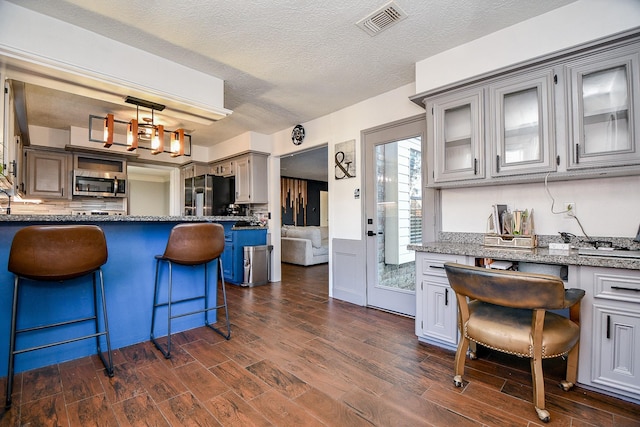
(372,233)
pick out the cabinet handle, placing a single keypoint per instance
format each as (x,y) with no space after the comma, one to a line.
(446,296)
(622,288)
(608,327)
(475,166)
(439,267)
(497,162)
(577,153)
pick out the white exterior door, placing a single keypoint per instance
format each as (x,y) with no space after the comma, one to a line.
(393,198)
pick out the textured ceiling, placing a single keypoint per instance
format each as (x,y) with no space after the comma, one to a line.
(284,62)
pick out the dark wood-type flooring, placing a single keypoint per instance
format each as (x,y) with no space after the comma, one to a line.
(299,358)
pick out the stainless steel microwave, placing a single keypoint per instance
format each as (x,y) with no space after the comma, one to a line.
(99,184)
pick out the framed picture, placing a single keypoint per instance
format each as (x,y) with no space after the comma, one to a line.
(345,160)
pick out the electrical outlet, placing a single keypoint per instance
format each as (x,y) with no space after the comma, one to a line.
(569,209)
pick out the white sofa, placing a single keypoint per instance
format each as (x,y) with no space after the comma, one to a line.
(305,245)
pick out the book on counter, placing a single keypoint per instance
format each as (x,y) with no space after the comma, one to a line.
(498,215)
(516,223)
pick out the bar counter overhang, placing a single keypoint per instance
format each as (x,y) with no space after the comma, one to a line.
(132,243)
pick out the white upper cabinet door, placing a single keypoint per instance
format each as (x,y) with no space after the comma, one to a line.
(522,124)
(604,109)
(457,136)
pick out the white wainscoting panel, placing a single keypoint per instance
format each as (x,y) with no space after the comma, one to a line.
(349,271)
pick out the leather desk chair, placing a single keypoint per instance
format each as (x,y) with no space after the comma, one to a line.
(45,256)
(190,244)
(507,311)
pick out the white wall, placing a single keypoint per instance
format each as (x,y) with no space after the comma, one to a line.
(559,29)
(148,198)
(605,207)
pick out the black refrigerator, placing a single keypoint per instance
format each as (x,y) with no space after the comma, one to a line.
(208,195)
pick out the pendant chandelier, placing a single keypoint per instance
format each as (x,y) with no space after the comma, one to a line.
(145,134)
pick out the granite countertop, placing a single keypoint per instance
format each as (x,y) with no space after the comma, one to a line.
(120,218)
(537,255)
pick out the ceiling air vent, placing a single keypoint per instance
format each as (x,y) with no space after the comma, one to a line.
(383,18)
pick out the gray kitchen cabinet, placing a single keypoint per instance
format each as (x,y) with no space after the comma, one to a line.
(515,127)
(436,306)
(194,169)
(225,168)
(572,114)
(47,174)
(604,101)
(522,122)
(610,330)
(456,136)
(251,179)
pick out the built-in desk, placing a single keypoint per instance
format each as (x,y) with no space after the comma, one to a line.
(132,243)
(610,310)
(537,255)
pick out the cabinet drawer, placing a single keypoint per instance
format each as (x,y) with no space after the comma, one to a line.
(610,284)
(433,264)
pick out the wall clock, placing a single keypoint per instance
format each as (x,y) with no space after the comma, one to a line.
(297,135)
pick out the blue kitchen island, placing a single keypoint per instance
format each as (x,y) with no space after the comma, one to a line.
(132,243)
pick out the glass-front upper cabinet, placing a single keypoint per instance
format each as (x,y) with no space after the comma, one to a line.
(456,135)
(522,124)
(604,107)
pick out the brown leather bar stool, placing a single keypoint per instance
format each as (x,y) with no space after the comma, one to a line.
(47,254)
(191,244)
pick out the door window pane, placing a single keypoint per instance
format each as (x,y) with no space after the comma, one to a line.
(521,119)
(457,138)
(605,100)
(399,211)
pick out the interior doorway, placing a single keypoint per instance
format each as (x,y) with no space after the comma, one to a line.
(303,180)
(304,204)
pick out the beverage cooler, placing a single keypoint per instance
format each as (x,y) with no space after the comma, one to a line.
(207,195)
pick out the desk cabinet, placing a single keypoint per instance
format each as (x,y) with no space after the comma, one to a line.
(521,124)
(233,255)
(605,108)
(456,137)
(436,307)
(610,330)
(572,114)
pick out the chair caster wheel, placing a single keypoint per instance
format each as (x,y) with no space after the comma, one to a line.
(457,380)
(544,415)
(566,385)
